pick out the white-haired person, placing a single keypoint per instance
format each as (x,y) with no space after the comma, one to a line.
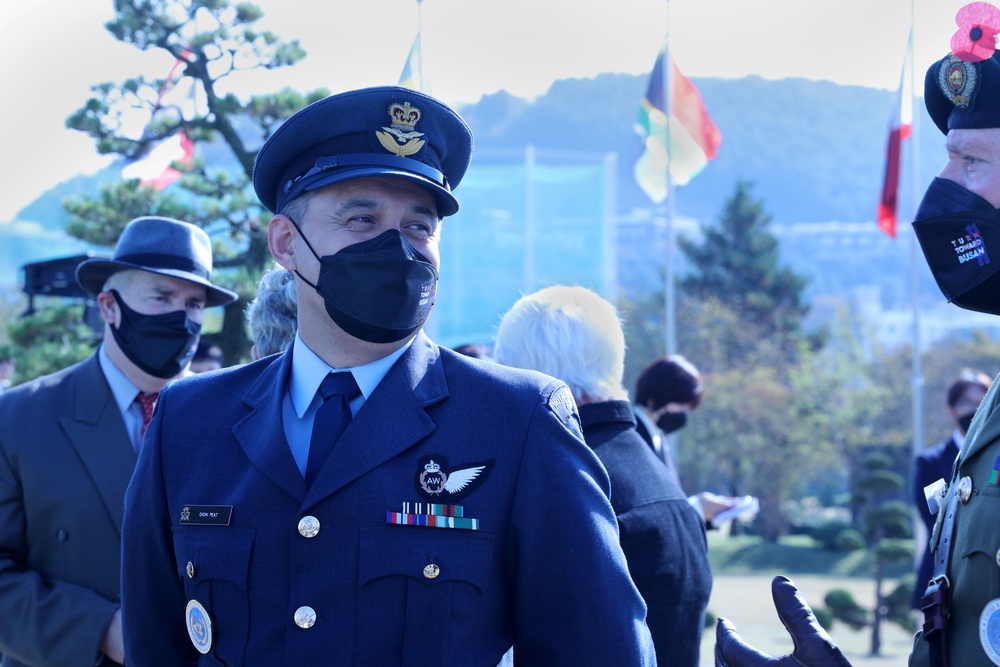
(574,335)
(271,315)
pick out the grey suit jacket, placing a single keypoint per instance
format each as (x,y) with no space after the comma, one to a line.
(65,463)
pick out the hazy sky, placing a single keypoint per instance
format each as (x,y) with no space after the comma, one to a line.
(52,51)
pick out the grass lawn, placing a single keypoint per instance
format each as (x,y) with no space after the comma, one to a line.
(743,568)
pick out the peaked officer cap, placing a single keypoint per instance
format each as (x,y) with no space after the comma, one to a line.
(385,131)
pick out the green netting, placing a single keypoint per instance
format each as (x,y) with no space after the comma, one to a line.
(514,235)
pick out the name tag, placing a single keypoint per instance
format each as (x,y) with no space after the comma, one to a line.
(206,515)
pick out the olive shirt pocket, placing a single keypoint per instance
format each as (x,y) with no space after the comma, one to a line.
(417,586)
(979,546)
(214,564)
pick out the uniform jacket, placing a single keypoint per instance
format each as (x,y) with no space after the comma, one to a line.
(975,561)
(662,535)
(932,464)
(65,462)
(544,571)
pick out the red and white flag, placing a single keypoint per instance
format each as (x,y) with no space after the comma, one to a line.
(153,168)
(900,128)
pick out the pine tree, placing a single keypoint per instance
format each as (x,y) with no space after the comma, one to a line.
(736,263)
(210,40)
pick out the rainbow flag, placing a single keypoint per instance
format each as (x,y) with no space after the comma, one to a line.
(694,138)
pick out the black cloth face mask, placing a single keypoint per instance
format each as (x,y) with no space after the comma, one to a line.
(380,290)
(959,234)
(161,345)
(669,422)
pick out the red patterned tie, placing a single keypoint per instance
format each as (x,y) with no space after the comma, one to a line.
(147,402)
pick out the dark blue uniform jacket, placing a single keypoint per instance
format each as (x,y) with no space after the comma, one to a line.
(444,439)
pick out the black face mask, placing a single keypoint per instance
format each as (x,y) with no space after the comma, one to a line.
(671,421)
(959,233)
(161,345)
(380,290)
(965,421)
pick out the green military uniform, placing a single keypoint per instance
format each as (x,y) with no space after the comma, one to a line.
(974,571)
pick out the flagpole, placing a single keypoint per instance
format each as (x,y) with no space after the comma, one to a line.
(670,443)
(917,380)
(669,307)
(420,46)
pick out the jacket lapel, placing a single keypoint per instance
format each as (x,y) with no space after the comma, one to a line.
(985,428)
(391,420)
(261,433)
(97,432)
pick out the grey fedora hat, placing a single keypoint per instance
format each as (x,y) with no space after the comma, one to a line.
(158,245)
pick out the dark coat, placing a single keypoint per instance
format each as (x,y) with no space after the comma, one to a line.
(65,462)
(663,537)
(657,441)
(543,572)
(932,464)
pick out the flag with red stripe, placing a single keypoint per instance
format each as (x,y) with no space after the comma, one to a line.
(900,128)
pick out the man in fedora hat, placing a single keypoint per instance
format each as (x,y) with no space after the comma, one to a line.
(368,497)
(69,441)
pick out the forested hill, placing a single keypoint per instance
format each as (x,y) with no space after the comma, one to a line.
(813,149)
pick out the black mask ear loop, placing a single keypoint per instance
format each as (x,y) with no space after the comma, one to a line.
(120,302)
(308,245)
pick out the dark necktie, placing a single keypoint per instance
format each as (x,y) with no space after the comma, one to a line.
(332,417)
(147,402)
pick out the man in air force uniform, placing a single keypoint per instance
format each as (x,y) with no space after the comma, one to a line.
(458,515)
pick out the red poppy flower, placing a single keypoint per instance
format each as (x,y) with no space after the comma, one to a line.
(978,25)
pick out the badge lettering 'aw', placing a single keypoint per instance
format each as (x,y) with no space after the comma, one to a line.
(437,481)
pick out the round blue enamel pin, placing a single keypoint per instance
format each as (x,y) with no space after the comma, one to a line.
(199,626)
(989,630)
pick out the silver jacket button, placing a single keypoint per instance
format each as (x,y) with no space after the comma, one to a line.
(964,489)
(431,571)
(305,617)
(308,526)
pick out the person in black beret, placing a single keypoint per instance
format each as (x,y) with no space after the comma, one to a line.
(69,441)
(368,497)
(958,227)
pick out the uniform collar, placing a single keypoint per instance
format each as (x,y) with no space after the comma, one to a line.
(308,371)
(606,412)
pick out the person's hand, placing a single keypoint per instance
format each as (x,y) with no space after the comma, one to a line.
(112,646)
(813,647)
(712,504)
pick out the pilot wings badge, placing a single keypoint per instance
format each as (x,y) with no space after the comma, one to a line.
(438,481)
